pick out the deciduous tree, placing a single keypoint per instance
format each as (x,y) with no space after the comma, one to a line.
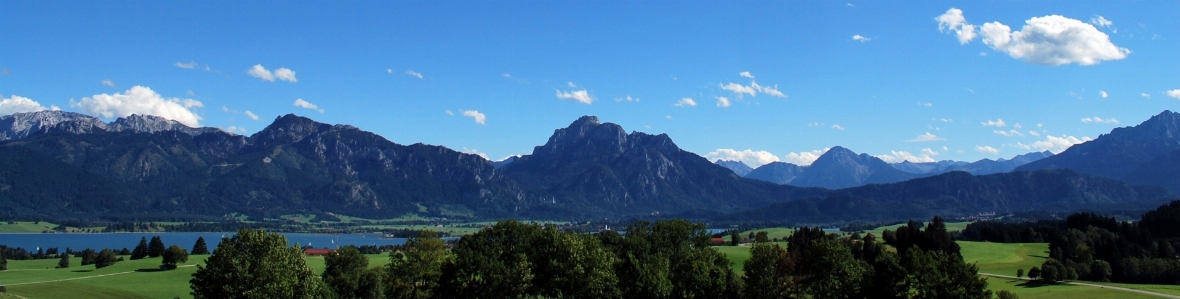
(256,264)
(414,272)
(174,255)
(105,258)
(345,273)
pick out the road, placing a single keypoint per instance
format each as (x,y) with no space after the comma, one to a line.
(1091,285)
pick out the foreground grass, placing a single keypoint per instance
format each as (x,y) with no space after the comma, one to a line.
(126,279)
(1004,258)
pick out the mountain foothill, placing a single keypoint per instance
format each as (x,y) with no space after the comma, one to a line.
(56,164)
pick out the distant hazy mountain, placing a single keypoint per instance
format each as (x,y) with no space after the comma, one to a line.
(961,194)
(1124,150)
(505,162)
(739,168)
(776,172)
(841,168)
(21,125)
(981,167)
(594,167)
(1161,171)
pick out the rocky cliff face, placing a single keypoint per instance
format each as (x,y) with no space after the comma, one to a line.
(1119,153)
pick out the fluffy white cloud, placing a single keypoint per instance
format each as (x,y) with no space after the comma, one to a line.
(838,127)
(479,118)
(1100,120)
(260,72)
(140,100)
(750,157)
(723,102)
(1103,94)
(953,20)
(926,137)
(18,104)
(1053,40)
(251,115)
(773,91)
(902,156)
(739,89)
(186,65)
(860,38)
(626,99)
(994,123)
(987,150)
(1009,133)
(412,73)
(1101,21)
(804,158)
(1053,143)
(582,96)
(746,75)
(1175,93)
(108,83)
(307,105)
(1145,95)
(1034,133)
(686,102)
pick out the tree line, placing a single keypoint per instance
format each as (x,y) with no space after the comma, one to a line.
(1093,247)
(662,259)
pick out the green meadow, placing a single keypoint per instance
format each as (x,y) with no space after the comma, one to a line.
(126,279)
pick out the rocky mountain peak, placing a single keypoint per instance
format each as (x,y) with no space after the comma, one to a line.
(21,125)
(140,123)
(288,129)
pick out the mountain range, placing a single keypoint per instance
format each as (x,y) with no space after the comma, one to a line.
(64,164)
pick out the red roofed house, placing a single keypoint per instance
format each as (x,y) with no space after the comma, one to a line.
(313,251)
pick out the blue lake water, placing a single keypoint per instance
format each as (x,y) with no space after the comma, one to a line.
(118,241)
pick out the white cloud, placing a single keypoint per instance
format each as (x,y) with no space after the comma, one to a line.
(1101,21)
(1034,133)
(582,96)
(838,127)
(251,115)
(1053,143)
(18,104)
(1145,95)
(626,99)
(953,20)
(804,158)
(723,102)
(994,123)
(108,83)
(926,104)
(307,105)
(234,129)
(1009,133)
(450,113)
(389,71)
(1175,93)
(987,150)
(926,137)
(1017,125)
(475,152)
(140,100)
(186,65)
(750,157)
(739,89)
(412,73)
(946,120)
(1103,94)
(191,93)
(1100,120)
(571,84)
(686,102)
(814,124)
(1053,40)
(283,74)
(860,38)
(773,91)
(902,156)
(479,118)
(746,75)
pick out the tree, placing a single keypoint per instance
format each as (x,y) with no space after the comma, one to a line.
(141,250)
(156,247)
(734,238)
(1034,272)
(125,251)
(172,256)
(3,263)
(761,237)
(491,263)
(834,272)
(1005,294)
(65,261)
(768,272)
(256,264)
(104,259)
(345,273)
(88,256)
(1019,273)
(415,271)
(200,247)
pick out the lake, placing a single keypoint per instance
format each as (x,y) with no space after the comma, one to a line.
(118,241)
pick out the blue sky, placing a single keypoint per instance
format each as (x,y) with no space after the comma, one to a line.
(900,80)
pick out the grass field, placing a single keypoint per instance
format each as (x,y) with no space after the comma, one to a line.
(1004,258)
(26,227)
(126,279)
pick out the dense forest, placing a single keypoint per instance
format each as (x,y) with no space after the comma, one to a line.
(1092,247)
(662,259)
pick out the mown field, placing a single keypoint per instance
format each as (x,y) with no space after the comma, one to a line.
(126,279)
